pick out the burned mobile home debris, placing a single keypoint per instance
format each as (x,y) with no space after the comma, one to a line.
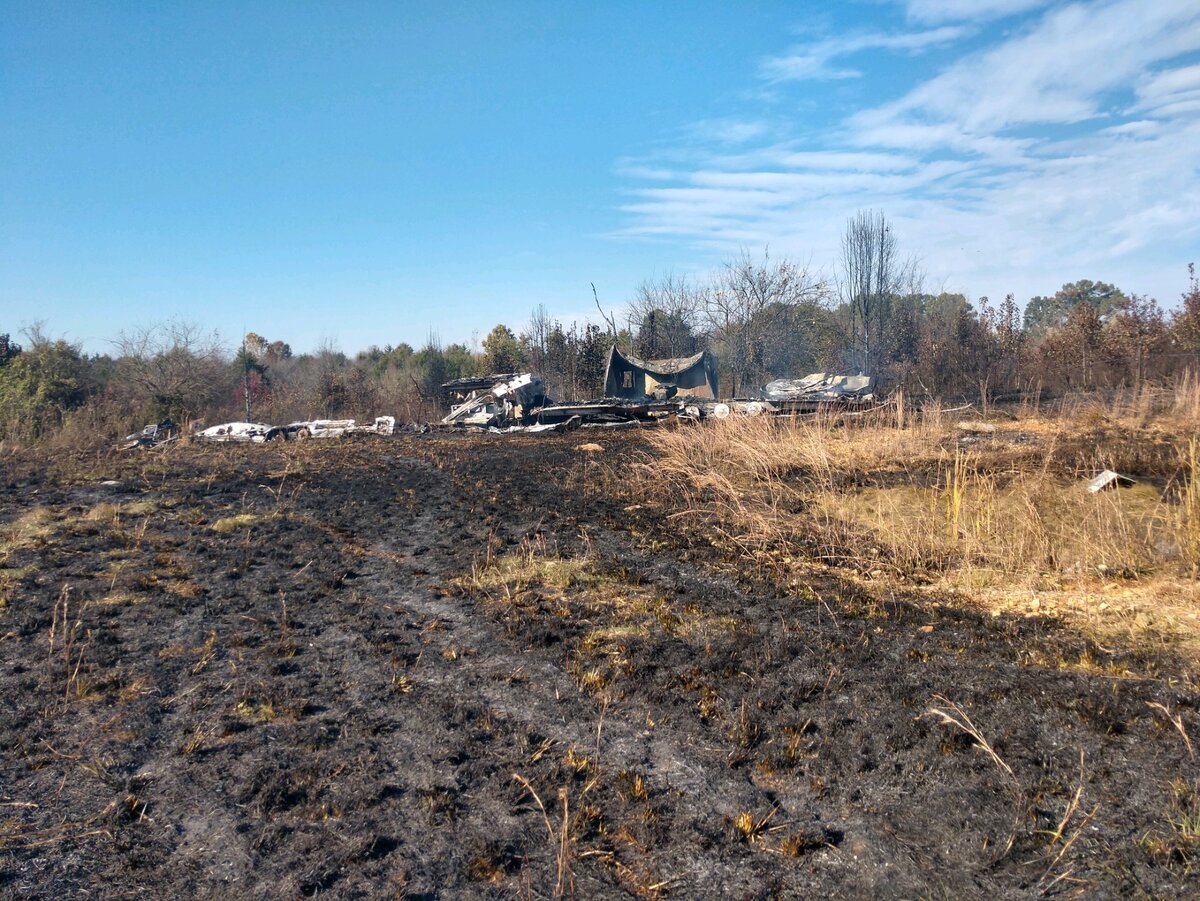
(642,391)
(238,432)
(153,435)
(490,400)
(299,431)
(628,378)
(791,397)
(258,432)
(821,386)
(636,392)
(338,428)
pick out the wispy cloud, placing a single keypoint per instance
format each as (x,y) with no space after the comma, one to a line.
(1067,147)
(933,11)
(815,61)
(1171,92)
(1061,71)
(729,131)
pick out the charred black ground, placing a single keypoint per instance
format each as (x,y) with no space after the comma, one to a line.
(290,670)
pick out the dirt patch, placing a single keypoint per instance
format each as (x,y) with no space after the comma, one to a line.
(446,666)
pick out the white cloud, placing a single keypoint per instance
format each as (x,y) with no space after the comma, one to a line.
(853,160)
(1170,92)
(932,11)
(815,61)
(1137,128)
(1058,72)
(1067,148)
(729,131)
(788,156)
(634,169)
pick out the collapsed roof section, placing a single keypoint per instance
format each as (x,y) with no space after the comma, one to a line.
(821,386)
(455,391)
(629,378)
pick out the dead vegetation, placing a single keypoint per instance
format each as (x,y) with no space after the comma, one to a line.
(337,693)
(996,511)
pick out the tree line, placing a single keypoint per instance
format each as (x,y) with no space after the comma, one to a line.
(766,318)
(763,318)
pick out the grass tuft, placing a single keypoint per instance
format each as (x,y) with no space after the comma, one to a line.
(234,523)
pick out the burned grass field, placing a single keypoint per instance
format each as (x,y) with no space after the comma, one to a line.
(444,666)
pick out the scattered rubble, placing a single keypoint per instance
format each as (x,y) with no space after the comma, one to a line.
(338,428)
(152,435)
(456,391)
(1110,479)
(725,409)
(609,410)
(638,392)
(567,425)
(166,431)
(821,387)
(614,426)
(237,432)
(486,403)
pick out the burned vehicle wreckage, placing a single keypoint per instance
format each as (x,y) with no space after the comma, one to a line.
(642,391)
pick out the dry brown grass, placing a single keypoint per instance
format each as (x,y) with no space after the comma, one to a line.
(1178,837)
(1004,516)
(560,839)
(621,610)
(27,530)
(234,523)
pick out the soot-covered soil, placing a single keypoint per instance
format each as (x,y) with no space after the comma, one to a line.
(397,667)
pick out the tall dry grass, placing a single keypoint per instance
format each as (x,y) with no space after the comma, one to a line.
(934,501)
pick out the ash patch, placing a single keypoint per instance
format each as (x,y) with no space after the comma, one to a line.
(325,695)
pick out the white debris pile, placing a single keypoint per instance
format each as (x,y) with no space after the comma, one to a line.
(238,432)
(261,432)
(338,428)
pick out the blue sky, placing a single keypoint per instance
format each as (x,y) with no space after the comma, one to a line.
(371,172)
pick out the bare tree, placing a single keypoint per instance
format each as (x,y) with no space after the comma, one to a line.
(176,366)
(536,336)
(755,310)
(609,319)
(665,317)
(873,276)
(327,388)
